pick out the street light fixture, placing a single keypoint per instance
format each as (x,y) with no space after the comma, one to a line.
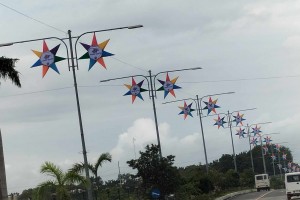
(151,87)
(229,114)
(199,109)
(262,153)
(90,193)
(248,133)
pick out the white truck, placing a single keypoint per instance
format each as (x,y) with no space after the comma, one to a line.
(262,182)
(292,184)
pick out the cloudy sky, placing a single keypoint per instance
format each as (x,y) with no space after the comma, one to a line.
(247,47)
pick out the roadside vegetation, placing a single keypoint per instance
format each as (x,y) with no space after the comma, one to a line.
(153,172)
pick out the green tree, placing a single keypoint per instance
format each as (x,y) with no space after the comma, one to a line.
(60,182)
(7,70)
(156,172)
(79,167)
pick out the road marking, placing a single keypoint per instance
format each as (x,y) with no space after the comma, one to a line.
(263,195)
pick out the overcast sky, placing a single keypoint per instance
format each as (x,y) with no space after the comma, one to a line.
(248,47)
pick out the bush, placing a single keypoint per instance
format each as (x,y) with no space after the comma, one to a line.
(276,183)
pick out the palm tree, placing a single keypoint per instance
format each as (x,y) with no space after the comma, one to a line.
(7,70)
(60,183)
(79,167)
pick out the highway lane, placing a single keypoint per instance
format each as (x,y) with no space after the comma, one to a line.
(264,195)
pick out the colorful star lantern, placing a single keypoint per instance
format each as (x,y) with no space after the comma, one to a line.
(273,157)
(211,105)
(256,131)
(135,90)
(168,86)
(277,147)
(47,58)
(267,140)
(279,166)
(220,121)
(266,149)
(239,119)
(186,110)
(95,52)
(240,132)
(284,156)
(254,141)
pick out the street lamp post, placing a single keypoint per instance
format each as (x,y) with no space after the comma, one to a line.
(199,113)
(248,133)
(278,154)
(151,87)
(229,114)
(262,153)
(90,192)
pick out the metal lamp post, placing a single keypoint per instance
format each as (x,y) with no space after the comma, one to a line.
(248,133)
(90,192)
(229,114)
(199,109)
(262,153)
(151,87)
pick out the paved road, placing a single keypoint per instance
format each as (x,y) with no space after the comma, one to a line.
(264,195)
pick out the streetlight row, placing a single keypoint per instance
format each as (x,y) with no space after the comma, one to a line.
(47,59)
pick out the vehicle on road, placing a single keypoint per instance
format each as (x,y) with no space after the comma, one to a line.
(262,182)
(292,184)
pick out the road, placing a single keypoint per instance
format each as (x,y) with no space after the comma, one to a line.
(264,195)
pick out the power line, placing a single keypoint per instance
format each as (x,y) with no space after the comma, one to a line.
(32,18)
(244,79)
(129,64)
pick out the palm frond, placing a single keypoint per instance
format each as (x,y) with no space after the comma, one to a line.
(74,178)
(52,170)
(7,70)
(102,158)
(42,188)
(77,168)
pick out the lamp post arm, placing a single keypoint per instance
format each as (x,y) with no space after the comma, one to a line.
(103,30)
(176,70)
(111,79)
(39,39)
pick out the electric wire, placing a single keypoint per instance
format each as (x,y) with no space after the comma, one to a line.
(121,61)
(116,85)
(33,18)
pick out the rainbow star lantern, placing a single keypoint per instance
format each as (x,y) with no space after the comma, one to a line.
(95,52)
(273,157)
(238,119)
(266,149)
(240,133)
(267,140)
(219,122)
(135,90)
(256,131)
(186,110)
(277,147)
(168,86)
(284,156)
(211,105)
(47,58)
(254,141)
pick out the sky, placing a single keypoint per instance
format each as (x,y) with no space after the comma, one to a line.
(246,47)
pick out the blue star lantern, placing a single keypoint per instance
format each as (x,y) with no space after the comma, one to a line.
(240,132)
(211,105)
(220,122)
(186,110)
(239,119)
